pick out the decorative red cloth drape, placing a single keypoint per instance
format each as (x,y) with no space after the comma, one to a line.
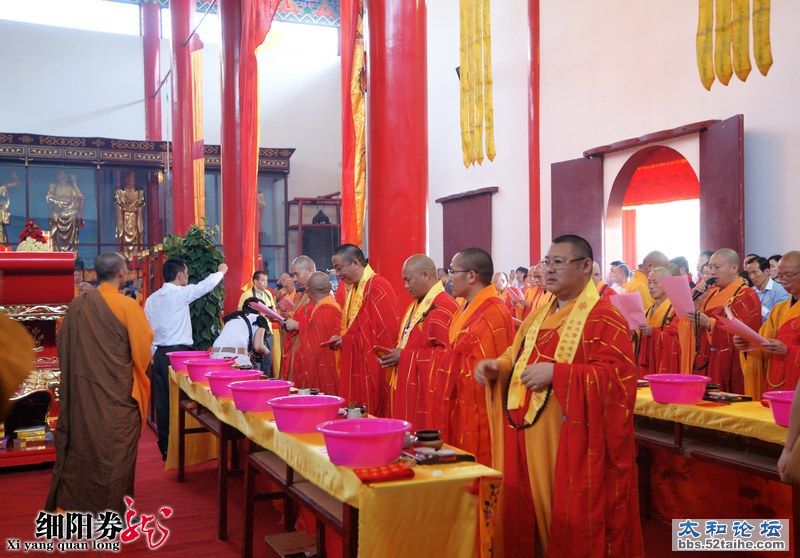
(665,176)
(629,238)
(250,21)
(534,157)
(151,50)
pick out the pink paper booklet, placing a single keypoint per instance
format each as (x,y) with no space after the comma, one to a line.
(679,294)
(735,326)
(630,305)
(267,311)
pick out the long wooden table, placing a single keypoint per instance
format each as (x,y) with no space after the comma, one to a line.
(436,512)
(740,437)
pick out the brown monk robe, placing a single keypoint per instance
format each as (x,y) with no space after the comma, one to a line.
(316,364)
(425,327)
(301,269)
(103,350)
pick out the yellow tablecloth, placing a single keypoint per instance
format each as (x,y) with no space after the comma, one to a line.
(433,513)
(748,418)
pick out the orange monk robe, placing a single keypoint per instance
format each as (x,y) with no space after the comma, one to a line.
(375,323)
(456,402)
(140,337)
(409,386)
(316,366)
(659,352)
(717,357)
(291,339)
(764,372)
(638,284)
(576,466)
(539,298)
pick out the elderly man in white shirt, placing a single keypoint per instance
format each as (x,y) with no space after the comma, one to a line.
(769,291)
(167,310)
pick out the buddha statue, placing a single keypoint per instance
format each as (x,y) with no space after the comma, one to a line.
(130,217)
(65,200)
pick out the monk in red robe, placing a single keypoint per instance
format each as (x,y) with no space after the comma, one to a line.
(705,348)
(513,297)
(603,289)
(425,327)
(104,351)
(369,320)
(316,365)
(480,329)
(776,365)
(638,283)
(562,417)
(537,295)
(659,352)
(301,269)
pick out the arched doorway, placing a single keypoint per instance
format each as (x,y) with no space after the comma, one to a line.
(655,204)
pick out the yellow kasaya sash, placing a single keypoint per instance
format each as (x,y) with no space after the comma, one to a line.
(416,312)
(466,311)
(573,316)
(756,364)
(354,299)
(686,338)
(657,316)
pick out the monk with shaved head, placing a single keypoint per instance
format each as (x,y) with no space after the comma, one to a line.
(511,296)
(301,269)
(708,349)
(658,352)
(639,282)
(776,365)
(537,295)
(597,278)
(423,328)
(315,365)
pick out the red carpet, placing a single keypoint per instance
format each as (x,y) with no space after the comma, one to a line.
(193,527)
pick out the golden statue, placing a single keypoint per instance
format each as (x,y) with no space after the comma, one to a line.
(130,218)
(5,204)
(65,200)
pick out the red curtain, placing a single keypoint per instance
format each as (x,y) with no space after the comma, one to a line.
(665,176)
(629,238)
(257,18)
(347,37)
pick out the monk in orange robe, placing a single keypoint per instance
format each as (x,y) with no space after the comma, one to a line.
(705,348)
(369,320)
(602,287)
(659,352)
(480,329)
(638,283)
(562,408)
(316,364)
(104,350)
(776,365)
(425,327)
(512,297)
(301,269)
(537,295)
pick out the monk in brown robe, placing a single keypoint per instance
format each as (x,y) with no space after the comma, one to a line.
(480,329)
(104,351)
(425,327)
(316,365)
(301,269)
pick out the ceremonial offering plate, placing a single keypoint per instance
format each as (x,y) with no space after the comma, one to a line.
(253,395)
(677,388)
(368,442)
(781,404)
(302,413)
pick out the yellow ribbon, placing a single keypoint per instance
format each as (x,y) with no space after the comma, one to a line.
(568,341)
(416,312)
(354,299)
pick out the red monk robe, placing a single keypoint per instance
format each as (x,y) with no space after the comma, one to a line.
(765,372)
(409,384)
(604,290)
(456,402)
(659,352)
(576,465)
(516,310)
(315,366)
(717,357)
(291,339)
(369,319)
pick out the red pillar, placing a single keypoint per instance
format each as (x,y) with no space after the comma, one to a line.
(151,48)
(182,118)
(534,153)
(230,19)
(397,135)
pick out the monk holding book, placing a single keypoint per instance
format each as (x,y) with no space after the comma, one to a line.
(659,352)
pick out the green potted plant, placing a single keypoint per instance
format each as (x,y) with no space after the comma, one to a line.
(198,249)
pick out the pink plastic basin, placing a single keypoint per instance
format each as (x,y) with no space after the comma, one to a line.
(367,442)
(199,367)
(677,388)
(252,395)
(220,380)
(781,404)
(302,413)
(177,358)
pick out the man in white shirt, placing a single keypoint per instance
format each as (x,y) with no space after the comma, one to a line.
(167,310)
(242,335)
(769,291)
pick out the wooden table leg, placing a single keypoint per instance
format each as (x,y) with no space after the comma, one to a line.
(181,439)
(222,478)
(349,531)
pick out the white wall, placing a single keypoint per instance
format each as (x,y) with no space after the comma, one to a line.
(623,68)
(509,170)
(83,83)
